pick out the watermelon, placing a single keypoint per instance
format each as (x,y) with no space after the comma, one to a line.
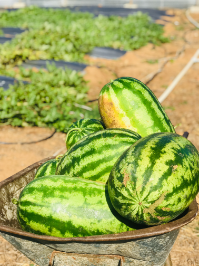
(94,156)
(129,103)
(156,179)
(81,128)
(68,207)
(47,168)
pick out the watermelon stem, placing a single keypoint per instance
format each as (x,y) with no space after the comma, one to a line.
(186,134)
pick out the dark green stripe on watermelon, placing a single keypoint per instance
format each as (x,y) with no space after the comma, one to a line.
(68,207)
(128,103)
(94,156)
(156,179)
(47,168)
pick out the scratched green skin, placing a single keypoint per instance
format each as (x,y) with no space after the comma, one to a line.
(137,107)
(156,179)
(68,207)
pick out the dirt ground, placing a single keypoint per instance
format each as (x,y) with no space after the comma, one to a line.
(155,66)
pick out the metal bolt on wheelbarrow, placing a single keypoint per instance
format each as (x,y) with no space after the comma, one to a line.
(143,247)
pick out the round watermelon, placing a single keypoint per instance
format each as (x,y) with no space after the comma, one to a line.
(48,168)
(128,103)
(80,129)
(156,179)
(93,156)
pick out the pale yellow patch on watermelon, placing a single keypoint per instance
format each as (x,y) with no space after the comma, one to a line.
(113,116)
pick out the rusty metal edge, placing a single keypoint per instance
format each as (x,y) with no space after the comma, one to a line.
(130,235)
(92,256)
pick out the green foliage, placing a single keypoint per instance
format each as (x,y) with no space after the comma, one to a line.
(56,98)
(49,100)
(63,35)
(34,17)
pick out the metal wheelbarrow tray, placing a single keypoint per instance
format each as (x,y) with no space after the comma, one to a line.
(143,247)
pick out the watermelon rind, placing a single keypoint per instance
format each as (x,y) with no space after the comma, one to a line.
(48,168)
(94,156)
(80,129)
(128,103)
(63,206)
(156,179)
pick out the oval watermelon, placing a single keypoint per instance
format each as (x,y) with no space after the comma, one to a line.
(94,156)
(68,207)
(128,103)
(156,179)
(47,168)
(80,129)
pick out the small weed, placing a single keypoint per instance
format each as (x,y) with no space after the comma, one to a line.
(152,61)
(172,38)
(178,125)
(169,107)
(197,229)
(164,86)
(180,27)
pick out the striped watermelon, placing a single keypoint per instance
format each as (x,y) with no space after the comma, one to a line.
(47,168)
(68,207)
(156,179)
(94,156)
(129,103)
(80,129)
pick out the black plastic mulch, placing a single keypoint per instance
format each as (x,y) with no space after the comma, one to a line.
(5,82)
(119,11)
(98,52)
(4,39)
(116,11)
(12,31)
(107,53)
(62,64)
